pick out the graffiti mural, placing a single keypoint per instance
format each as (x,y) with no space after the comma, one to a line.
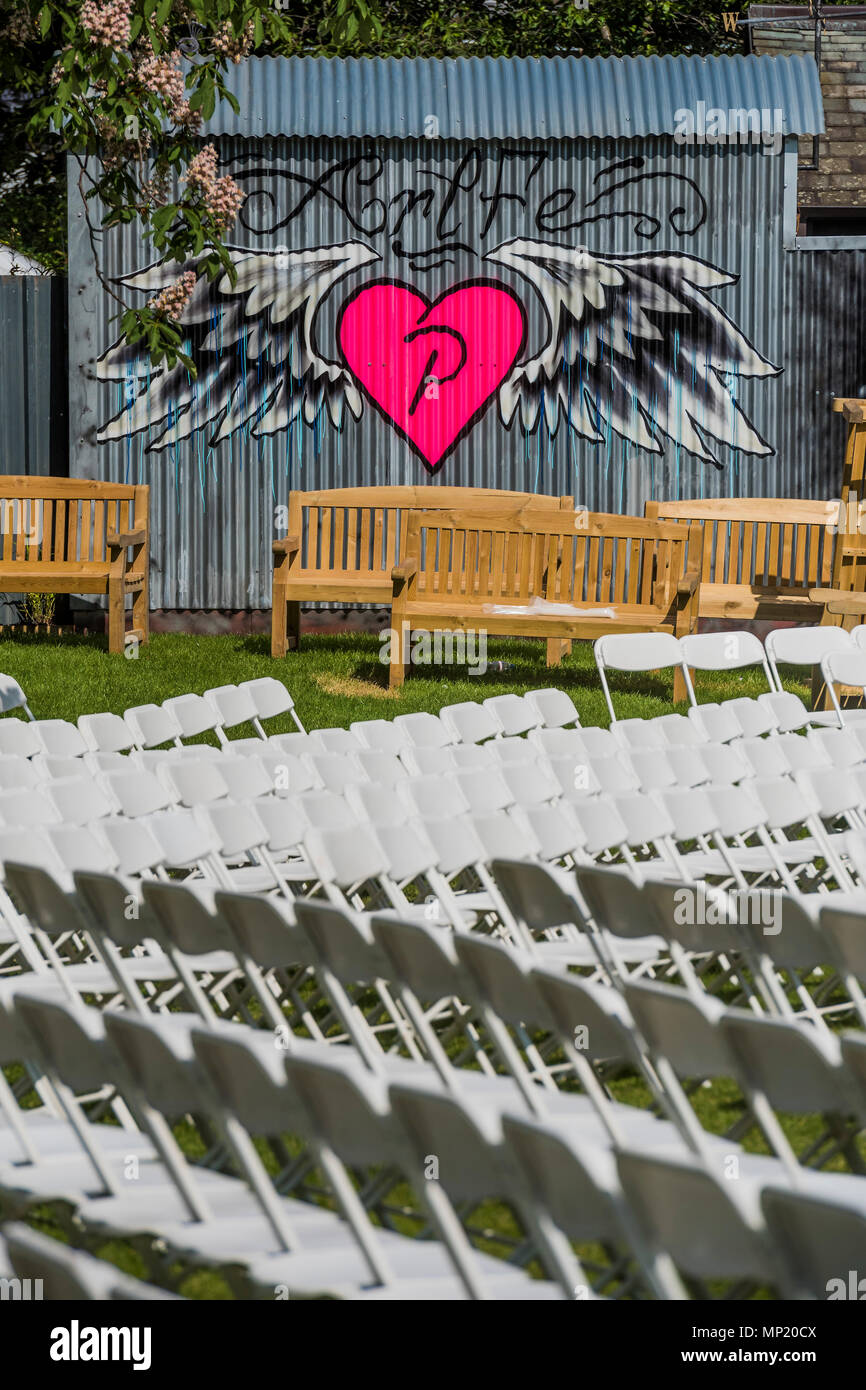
(428,316)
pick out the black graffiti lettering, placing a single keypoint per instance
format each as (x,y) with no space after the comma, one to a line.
(506,158)
(559,202)
(473,158)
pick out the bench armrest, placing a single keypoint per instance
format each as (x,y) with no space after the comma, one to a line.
(840,601)
(119,540)
(400,573)
(287,545)
(689,583)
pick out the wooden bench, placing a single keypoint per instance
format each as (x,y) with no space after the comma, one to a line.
(761,555)
(543,574)
(78,536)
(343,543)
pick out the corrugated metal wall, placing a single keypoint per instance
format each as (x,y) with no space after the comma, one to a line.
(213,510)
(32,374)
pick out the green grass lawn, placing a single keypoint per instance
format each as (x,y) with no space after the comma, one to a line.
(333,679)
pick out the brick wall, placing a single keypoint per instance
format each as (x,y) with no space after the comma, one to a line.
(840,181)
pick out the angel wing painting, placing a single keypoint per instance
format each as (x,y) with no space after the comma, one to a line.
(630,345)
(634,343)
(253,346)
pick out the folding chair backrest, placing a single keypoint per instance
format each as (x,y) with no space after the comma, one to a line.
(72,1040)
(502,981)
(345,857)
(821,1241)
(59,738)
(535,895)
(421,956)
(43,900)
(249,1079)
(381,735)
(554,708)
(424,730)
(614,899)
(151,725)
(514,713)
(803,646)
(639,651)
(19,737)
(12,696)
(797,1068)
(470,722)
(725,651)
(343,941)
(233,705)
(159,1058)
(106,733)
(270,697)
(679,1028)
(194,714)
(262,930)
(185,919)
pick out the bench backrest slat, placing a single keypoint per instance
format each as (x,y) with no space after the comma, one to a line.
(761,542)
(363,530)
(575,558)
(65,520)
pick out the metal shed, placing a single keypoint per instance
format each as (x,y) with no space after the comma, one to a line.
(562,274)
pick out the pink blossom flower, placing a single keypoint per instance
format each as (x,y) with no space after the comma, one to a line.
(108,23)
(171,302)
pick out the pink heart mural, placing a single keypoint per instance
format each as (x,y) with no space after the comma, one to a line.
(432,368)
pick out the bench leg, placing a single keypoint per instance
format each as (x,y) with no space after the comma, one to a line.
(141,613)
(680,692)
(293,625)
(278,624)
(556,648)
(116,618)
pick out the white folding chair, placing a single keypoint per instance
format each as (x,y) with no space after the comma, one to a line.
(514,713)
(639,651)
(726,651)
(271,699)
(12,696)
(555,709)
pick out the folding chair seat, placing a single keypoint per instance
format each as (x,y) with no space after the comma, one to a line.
(514,713)
(341,742)
(819,1241)
(72,1275)
(19,737)
(555,709)
(105,733)
(381,735)
(58,738)
(12,696)
(271,699)
(470,722)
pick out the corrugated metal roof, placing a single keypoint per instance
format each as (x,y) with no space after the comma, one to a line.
(508,98)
